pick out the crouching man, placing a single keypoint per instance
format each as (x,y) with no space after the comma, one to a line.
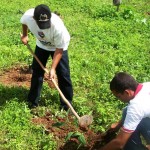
(136,116)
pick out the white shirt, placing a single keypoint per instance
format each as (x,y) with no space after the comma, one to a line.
(138,108)
(56,36)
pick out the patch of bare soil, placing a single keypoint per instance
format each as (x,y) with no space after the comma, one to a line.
(19,76)
(59,127)
(16,76)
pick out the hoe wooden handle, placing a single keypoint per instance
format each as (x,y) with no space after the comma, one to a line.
(65,100)
(28,46)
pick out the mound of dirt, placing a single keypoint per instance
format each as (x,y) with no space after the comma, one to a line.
(61,127)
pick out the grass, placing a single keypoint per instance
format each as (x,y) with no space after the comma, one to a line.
(103,42)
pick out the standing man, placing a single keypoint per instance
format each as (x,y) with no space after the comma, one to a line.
(52,38)
(136,116)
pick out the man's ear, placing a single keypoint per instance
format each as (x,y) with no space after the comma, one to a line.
(129,92)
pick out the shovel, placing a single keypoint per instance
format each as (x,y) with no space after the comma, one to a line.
(85,120)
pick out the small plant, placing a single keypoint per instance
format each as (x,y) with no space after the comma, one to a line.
(79,136)
(128,14)
(58,124)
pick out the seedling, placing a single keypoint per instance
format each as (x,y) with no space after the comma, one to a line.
(79,136)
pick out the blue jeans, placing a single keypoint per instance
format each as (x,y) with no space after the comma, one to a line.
(63,75)
(135,142)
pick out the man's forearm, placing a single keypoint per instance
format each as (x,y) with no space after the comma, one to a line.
(57,56)
(24,30)
(112,145)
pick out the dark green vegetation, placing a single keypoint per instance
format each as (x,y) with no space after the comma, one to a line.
(103,42)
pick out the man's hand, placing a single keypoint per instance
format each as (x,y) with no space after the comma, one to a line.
(111,132)
(115,127)
(119,142)
(24,35)
(52,74)
(148,147)
(24,39)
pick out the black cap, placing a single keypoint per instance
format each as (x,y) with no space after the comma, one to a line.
(42,15)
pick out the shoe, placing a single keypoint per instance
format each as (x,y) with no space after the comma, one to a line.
(32,106)
(65,108)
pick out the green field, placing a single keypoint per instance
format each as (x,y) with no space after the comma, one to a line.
(103,42)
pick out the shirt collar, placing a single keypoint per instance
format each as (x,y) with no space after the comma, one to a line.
(139,87)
